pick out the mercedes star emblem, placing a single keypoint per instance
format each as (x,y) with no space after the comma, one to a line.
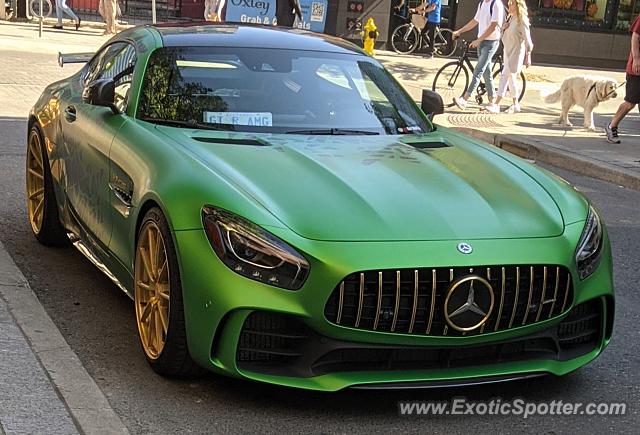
(465,248)
(469,303)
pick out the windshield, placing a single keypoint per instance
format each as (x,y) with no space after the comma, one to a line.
(278,91)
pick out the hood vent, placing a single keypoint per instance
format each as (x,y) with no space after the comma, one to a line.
(421,145)
(230,141)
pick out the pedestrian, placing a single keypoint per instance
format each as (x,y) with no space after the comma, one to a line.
(109,11)
(488,19)
(213,10)
(517,46)
(61,7)
(286,12)
(432,9)
(632,89)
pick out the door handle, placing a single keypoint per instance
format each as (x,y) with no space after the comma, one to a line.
(70,113)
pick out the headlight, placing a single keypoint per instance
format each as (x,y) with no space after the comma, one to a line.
(589,248)
(253,252)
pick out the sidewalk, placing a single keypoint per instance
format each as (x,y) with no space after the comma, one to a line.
(44,389)
(531,134)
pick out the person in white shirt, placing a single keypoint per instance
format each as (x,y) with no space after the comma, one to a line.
(517,43)
(488,19)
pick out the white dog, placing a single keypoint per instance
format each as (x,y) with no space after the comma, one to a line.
(585,91)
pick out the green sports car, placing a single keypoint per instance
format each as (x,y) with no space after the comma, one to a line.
(279,209)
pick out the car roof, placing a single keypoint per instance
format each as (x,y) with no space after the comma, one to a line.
(247,35)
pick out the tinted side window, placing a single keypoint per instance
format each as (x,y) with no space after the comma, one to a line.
(115,62)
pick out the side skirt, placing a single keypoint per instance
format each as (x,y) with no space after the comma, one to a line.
(84,250)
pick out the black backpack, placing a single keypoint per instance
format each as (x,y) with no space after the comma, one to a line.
(490,6)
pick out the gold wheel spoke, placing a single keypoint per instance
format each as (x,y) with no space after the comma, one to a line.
(163,319)
(163,290)
(36,193)
(147,263)
(146,312)
(156,254)
(162,268)
(144,286)
(151,331)
(37,209)
(158,328)
(153,242)
(35,152)
(36,174)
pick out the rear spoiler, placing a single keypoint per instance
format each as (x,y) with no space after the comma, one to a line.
(74,58)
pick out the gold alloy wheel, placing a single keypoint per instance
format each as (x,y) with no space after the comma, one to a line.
(152,290)
(35,182)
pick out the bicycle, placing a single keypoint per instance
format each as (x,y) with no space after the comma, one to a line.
(454,78)
(407,37)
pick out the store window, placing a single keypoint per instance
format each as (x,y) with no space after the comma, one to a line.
(628,10)
(574,14)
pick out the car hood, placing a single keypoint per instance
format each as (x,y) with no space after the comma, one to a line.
(379,188)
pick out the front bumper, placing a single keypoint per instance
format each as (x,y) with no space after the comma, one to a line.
(218,303)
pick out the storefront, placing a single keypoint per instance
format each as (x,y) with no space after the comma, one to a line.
(575,32)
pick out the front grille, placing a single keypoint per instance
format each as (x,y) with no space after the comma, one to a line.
(283,345)
(411,301)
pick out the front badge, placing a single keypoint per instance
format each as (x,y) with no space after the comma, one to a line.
(465,248)
(469,303)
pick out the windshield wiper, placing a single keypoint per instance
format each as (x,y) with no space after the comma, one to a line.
(333,131)
(188,124)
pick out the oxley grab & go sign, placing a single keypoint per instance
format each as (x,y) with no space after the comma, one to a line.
(314,13)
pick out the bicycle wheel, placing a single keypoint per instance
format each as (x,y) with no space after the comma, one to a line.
(521,82)
(405,39)
(451,81)
(445,45)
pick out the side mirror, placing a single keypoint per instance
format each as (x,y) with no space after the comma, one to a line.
(101,93)
(432,104)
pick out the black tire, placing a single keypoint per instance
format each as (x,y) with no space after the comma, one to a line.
(405,39)
(50,231)
(448,49)
(174,360)
(522,83)
(452,80)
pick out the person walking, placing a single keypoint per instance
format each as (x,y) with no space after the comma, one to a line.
(213,10)
(286,12)
(517,43)
(432,9)
(488,19)
(632,89)
(62,8)
(109,11)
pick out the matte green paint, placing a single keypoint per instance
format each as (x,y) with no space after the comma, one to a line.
(347,203)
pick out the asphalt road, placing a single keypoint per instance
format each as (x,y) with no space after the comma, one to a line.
(98,322)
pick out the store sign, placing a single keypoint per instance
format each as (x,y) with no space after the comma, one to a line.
(314,13)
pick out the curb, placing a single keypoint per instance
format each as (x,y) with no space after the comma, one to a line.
(550,153)
(85,401)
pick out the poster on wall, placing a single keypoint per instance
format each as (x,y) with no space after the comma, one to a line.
(314,13)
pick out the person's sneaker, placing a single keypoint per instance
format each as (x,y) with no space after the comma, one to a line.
(491,108)
(428,55)
(514,108)
(460,102)
(612,134)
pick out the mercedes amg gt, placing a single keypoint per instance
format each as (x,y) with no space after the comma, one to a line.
(279,209)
